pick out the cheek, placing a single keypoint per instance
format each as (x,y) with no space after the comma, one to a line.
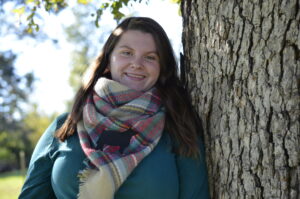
(156,75)
(156,71)
(114,73)
(113,62)
(117,64)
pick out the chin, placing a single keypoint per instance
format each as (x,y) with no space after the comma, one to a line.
(137,88)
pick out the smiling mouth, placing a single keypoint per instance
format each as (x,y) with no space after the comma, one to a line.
(135,76)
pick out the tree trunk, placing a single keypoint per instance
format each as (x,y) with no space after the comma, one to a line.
(241,65)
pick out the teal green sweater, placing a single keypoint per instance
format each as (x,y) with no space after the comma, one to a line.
(54,167)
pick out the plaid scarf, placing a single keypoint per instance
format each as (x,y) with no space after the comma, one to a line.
(120,127)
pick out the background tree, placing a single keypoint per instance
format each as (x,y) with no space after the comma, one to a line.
(28,10)
(21,123)
(35,123)
(14,90)
(84,34)
(242,67)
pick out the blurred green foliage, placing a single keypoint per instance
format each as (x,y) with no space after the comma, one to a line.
(29,8)
(21,126)
(14,90)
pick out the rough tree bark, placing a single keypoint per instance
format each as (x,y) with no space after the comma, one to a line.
(241,65)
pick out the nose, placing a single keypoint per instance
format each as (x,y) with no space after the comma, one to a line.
(137,62)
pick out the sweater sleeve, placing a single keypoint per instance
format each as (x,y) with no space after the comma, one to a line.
(193,180)
(38,179)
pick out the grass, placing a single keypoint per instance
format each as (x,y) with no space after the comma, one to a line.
(11,184)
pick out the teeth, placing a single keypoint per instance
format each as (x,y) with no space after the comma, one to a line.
(135,75)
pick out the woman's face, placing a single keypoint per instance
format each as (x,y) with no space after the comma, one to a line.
(134,62)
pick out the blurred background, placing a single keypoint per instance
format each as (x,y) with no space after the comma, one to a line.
(45,46)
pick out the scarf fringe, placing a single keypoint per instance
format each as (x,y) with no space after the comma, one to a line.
(96,184)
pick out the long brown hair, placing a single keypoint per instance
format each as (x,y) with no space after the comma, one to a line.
(182,122)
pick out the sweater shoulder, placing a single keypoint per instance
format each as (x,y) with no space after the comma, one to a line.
(59,121)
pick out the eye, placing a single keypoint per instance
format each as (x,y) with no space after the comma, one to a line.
(151,57)
(126,53)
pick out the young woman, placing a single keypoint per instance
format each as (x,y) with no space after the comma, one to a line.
(132,132)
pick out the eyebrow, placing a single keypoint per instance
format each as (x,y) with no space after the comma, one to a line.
(125,46)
